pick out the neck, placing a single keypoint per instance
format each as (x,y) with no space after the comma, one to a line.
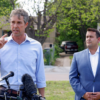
(93,50)
(19,39)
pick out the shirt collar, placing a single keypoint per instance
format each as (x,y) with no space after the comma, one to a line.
(27,38)
(96,51)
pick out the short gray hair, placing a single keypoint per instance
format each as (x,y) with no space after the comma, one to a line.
(20,12)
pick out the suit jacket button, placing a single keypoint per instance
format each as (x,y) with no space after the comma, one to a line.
(94,81)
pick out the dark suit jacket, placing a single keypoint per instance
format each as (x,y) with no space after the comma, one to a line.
(81,76)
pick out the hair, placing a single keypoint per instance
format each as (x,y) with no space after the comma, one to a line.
(94,30)
(20,12)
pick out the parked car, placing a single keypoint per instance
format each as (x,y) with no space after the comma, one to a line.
(69,46)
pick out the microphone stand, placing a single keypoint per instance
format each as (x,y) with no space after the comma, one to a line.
(21,90)
(5,93)
(7,83)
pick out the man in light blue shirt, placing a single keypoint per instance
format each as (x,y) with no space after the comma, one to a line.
(21,54)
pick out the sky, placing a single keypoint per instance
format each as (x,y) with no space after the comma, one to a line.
(29,5)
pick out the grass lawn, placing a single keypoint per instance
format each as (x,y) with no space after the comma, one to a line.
(59,90)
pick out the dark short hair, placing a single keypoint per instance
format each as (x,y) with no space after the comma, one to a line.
(94,30)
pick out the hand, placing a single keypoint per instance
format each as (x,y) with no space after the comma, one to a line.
(96,96)
(88,96)
(3,41)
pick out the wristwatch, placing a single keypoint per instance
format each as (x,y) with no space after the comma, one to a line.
(42,98)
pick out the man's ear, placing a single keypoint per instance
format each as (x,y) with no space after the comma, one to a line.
(99,39)
(26,24)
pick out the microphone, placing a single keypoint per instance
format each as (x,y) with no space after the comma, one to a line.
(29,85)
(10,74)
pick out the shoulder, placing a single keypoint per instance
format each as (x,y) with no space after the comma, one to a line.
(81,53)
(33,41)
(80,56)
(99,48)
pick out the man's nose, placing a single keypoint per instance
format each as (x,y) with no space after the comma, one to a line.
(15,25)
(88,38)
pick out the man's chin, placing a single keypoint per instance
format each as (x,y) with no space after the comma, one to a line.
(16,34)
(88,46)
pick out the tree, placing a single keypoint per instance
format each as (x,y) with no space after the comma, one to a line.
(6,6)
(75,16)
(40,26)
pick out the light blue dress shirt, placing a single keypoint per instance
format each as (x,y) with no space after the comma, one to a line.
(23,58)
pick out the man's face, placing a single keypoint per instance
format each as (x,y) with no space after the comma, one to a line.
(91,39)
(17,25)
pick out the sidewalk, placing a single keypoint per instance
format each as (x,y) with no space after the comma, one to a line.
(54,73)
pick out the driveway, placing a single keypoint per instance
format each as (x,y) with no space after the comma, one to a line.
(59,72)
(64,60)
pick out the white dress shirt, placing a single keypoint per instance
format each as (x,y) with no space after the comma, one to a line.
(94,61)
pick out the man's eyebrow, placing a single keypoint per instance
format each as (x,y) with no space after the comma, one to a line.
(12,21)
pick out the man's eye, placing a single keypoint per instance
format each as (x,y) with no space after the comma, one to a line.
(12,22)
(90,36)
(19,22)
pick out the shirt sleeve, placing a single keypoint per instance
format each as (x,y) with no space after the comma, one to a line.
(40,73)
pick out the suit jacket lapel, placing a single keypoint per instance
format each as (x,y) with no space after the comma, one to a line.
(88,62)
(98,66)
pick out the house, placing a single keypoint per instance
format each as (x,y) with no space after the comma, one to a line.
(4,26)
(51,39)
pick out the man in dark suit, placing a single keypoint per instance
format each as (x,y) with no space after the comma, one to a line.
(84,73)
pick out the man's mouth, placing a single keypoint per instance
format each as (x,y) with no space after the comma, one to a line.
(15,30)
(88,42)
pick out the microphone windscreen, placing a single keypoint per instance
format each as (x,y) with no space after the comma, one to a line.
(29,85)
(12,73)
